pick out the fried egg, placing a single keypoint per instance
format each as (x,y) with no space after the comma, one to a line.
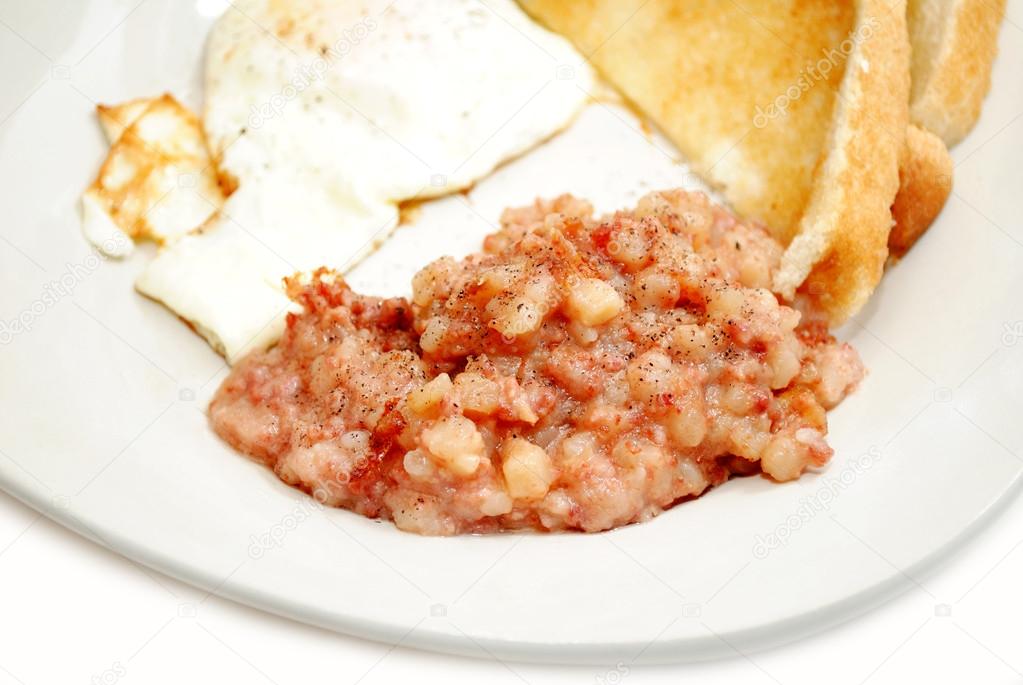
(326,115)
(115,119)
(158,181)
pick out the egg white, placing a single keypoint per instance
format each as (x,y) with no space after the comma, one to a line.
(327,114)
(158,181)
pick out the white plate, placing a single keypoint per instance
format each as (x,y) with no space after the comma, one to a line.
(102,424)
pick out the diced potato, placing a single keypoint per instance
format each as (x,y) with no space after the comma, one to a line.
(726,303)
(656,288)
(456,444)
(687,425)
(785,364)
(650,375)
(593,302)
(784,458)
(517,317)
(629,247)
(477,393)
(418,465)
(426,397)
(433,333)
(528,471)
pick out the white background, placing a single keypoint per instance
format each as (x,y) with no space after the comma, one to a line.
(74,612)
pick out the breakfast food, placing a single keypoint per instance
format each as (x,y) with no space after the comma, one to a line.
(115,119)
(385,100)
(157,182)
(841,245)
(321,117)
(834,99)
(333,111)
(794,136)
(954,46)
(716,77)
(925,181)
(953,49)
(330,111)
(580,373)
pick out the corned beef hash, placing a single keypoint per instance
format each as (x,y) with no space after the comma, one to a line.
(579,373)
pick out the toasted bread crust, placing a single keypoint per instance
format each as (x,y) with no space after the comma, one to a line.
(839,253)
(925,181)
(954,46)
(820,169)
(745,90)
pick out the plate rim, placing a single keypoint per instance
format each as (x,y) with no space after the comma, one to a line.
(671,651)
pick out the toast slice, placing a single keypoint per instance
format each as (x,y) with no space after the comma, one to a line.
(760,97)
(954,45)
(730,83)
(925,181)
(840,249)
